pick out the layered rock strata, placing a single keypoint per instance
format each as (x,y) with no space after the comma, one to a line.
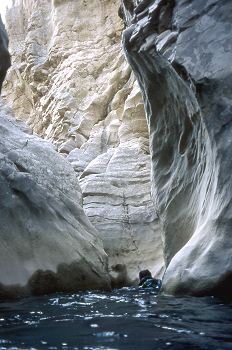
(71,84)
(47,241)
(117,199)
(180,52)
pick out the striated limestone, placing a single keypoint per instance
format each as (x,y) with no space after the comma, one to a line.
(117,199)
(71,84)
(180,52)
(47,241)
(70,66)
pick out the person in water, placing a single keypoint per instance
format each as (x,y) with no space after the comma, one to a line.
(147,281)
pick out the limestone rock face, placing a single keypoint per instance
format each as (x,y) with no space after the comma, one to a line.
(180,52)
(72,85)
(47,241)
(117,199)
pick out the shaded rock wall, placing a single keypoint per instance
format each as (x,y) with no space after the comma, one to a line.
(180,52)
(47,241)
(70,83)
(5,60)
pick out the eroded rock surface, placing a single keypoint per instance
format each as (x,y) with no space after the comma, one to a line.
(117,198)
(70,82)
(47,241)
(180,52)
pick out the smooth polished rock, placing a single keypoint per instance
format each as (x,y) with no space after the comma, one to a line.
(47,242)
(71,83)
(180,53)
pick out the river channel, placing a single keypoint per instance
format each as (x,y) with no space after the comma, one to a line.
(127,318)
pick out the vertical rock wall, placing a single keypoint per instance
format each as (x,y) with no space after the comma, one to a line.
(70,82)
(180,52)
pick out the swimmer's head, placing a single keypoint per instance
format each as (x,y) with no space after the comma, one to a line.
(144,273)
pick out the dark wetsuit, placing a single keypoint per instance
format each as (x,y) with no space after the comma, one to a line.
(149,282)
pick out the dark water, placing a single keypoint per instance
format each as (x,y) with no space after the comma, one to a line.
(123,319)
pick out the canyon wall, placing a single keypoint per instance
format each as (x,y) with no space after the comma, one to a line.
(47,242)
(180,52)
(71,84)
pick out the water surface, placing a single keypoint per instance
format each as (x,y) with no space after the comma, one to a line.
(126,318)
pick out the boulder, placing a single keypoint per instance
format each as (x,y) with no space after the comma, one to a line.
(47,242)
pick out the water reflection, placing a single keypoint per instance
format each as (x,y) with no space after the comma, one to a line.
(123,319)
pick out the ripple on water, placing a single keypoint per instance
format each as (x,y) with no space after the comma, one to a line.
(124,319)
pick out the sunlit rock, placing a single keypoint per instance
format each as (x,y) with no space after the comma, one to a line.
(71,83)
(117,198)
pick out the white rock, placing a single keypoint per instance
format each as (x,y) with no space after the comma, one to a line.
(47,241)
(72,85)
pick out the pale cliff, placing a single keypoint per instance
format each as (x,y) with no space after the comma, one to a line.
(71,84)
(180,52)
(47,242)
